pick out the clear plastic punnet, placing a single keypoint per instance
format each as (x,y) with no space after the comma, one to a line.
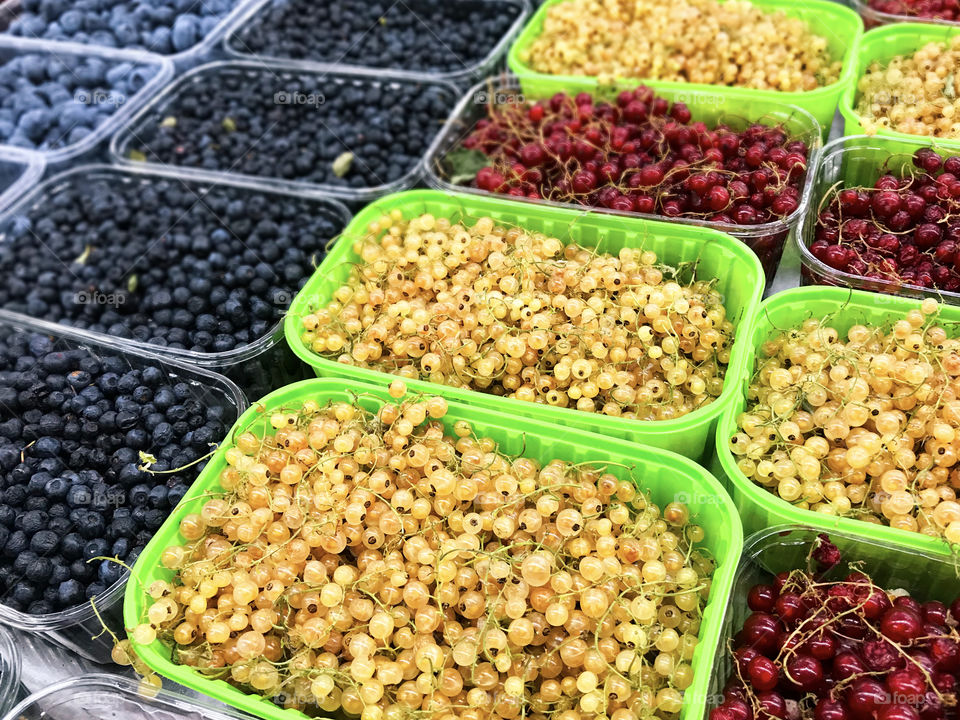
(125,106)
(10,661)
(251,19)
(114,697)
(875,18)
(287,79)
(82,628)
(726,105)
(259,366)
(20,170)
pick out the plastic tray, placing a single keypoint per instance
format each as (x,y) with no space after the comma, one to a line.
(257,367)
(786,547)
(732,107)
(858,161)
(881,45)
(10,9)
(120,145)
(12,46)
(10,661)
(874,18)
(668,477)
(840,26)
(20,170)
(466,76)
(109,697)
(78,628)
(737,272)
(760,508)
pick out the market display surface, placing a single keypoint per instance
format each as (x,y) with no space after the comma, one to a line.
(636,348)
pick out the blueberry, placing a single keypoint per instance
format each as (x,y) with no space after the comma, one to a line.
(71,593)
(44,542)
(95,548)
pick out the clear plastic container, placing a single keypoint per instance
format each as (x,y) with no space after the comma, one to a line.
(470,74)
(10,661)
(257,367)
(20,170)
(874,18)
(859,161)
(285,77)
(786,547)
(112,697)
(730,106)
(10,9)
(163,71)
(79,628)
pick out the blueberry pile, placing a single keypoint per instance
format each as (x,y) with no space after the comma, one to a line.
(160,26)
(185,266)
(424,35)
(296,127)
(49,101)
(73,425)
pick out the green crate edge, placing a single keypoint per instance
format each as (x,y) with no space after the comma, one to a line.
(758,508)
(709,493)
(830,17)
(913,35)
(688,435)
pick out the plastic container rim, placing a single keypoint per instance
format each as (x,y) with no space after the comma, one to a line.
(468,74)
(768,501)
(435,154)
(33,167)
(823,6)
(79,613)
(739,352)
(832,150)
(122,137)
(12,658)
(336,209)
(930,32)
(120,117)
(723,575)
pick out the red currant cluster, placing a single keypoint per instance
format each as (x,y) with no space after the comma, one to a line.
(903,229)
(927,9)
(642,154)
(845,650)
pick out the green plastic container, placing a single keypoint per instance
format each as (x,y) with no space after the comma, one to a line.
(759,508)
(881,45)
(786,547)
(667,477)
(840,26)
(738,272)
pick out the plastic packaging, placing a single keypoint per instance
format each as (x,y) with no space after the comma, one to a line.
(786,547)
(467,76)
(874,18)
(759,508)
(839,26)
(78,628)
(730,106)
(881,45)
(666,476)
(858,162)
(127,106)
(285,76)
(109,697)
(10,660)
(10,9)
(257,367)
(20,170)
(736,270)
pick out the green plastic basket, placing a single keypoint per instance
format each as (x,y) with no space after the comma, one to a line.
(881,45)
(759,508)
(786,547)
(840,26)
(737,270)
(667,477)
